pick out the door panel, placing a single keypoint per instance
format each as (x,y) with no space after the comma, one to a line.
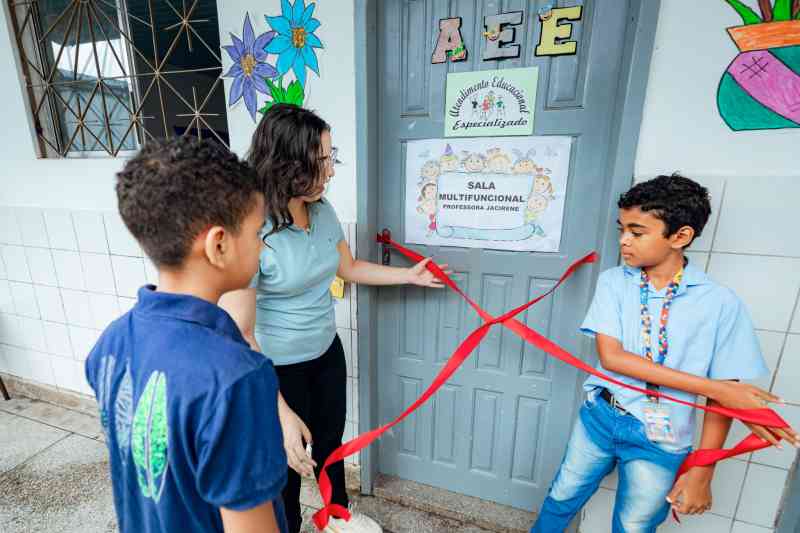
(498,429)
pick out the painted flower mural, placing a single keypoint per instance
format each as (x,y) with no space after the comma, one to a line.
(250,69)
(292,40)
(295,42)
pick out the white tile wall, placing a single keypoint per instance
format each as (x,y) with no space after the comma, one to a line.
(746,215)
(741,527)
(76,307)
(68,269)
(60,230)
(56,337)
(16,264)
(31,226)
(41,266)
(597,512)
(97,273)
(6,300)
(763,488)
(716,188)
(788,376)
(24,299)
(771,346)
(129,274)
(9,330)
(726,486)
(9,227)
(125,304)
(104,308)
(707,523)
(120,241)
(69,374)
(796,322)
(50,305)
(150,272)
(767,285)
(3,273)
(90,230)
(83,340)
(32,334)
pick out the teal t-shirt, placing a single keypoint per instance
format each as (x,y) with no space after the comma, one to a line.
(295,320)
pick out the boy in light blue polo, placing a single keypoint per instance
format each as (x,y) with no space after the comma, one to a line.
(658,321)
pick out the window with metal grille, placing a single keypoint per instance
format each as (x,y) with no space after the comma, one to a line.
(104,76)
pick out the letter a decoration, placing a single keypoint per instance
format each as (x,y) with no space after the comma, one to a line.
(450,45)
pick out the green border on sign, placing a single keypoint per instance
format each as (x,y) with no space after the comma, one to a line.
(470,111)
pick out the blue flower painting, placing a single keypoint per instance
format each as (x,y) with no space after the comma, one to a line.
(250,69)
(295,41)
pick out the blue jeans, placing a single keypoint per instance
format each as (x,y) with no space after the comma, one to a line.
(604,437)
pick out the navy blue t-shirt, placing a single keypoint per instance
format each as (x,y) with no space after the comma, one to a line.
(190,416)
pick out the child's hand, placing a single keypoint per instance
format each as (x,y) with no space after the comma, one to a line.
(691,494)
(294,431)
(773,435)
(736,395)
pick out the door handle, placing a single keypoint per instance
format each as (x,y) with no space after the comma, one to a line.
(386,250)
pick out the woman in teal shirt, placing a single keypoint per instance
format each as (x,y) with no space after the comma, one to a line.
(288,313)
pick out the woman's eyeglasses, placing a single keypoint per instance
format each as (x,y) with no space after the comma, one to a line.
(333,158)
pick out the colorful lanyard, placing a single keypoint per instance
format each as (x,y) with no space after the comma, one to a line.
(647,342)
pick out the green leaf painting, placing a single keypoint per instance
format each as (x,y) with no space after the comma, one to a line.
(123,415)
(748,15)
(105,376)
(780,10)
(149,442)
(293,94)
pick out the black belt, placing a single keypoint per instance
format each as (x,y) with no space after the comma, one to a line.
(609,398)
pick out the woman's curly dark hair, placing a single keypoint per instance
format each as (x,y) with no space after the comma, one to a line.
(285,152)
(174,189)
(676,200)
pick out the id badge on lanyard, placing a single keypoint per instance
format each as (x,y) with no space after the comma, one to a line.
(657,416)
(658,422)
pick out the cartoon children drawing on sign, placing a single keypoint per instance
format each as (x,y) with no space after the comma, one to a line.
(427,204)
(537,204)
(449,162)
(497,161)
(542,183)
(473,162)
(524,163)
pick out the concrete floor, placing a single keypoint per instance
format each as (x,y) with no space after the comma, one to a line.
(54,477)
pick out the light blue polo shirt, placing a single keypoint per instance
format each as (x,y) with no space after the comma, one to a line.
(295,321)
(709,331)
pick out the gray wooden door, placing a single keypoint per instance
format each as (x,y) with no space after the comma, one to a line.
(498,429)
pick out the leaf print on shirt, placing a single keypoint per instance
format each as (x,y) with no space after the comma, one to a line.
(123,415)
(149,442)
(105,376)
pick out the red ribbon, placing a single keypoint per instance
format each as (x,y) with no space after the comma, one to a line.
(764,417)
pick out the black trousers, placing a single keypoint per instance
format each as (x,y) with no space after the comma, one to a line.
(317,391)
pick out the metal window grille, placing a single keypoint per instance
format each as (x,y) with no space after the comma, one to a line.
(105,76)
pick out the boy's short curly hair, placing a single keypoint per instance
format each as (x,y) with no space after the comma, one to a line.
(174,189)
(676,200)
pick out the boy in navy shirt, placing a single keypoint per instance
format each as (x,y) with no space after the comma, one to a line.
(658,321)
(188,409)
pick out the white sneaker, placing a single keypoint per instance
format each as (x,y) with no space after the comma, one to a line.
(358,523)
